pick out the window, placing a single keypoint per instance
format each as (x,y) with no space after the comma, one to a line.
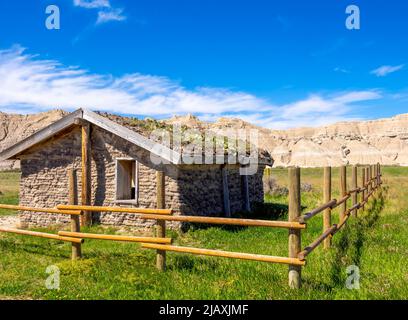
(127,178)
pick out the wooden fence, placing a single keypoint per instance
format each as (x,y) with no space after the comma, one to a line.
(297,222)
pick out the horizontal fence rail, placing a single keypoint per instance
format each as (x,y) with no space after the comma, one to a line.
(329,232)
(341,201)
(230,221)
(302,219)
(115,209)
(225,254)
(115,237)
(191,219)
(41,235)
(44,210)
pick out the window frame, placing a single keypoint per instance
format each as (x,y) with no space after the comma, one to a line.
(136,180)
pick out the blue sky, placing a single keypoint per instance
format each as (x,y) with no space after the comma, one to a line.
(279,64)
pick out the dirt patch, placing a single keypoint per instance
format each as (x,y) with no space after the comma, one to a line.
(9,221)
(14,298)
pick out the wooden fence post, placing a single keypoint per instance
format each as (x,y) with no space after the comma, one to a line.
(375,176)
(75,220)
(86,218)
(366,182)
(354,187)
(374,181)
(363,179)
(294,234)
(368,178)
(343,190)
(161,224)
(327,198)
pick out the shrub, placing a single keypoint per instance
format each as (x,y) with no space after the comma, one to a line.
(271,187)
(306,187)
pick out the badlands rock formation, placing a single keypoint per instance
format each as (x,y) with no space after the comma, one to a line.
(365,142)
(15,127)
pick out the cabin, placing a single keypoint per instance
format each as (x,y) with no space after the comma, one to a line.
(116,165)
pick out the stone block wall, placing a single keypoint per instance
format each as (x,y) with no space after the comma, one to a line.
(44,179)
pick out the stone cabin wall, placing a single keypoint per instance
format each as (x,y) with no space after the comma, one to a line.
(190,190)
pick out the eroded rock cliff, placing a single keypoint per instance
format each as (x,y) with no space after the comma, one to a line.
(14,127)
(364,142)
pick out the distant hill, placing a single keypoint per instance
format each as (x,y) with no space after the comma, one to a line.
(359,142)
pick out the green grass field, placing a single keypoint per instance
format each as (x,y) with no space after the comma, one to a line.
(377,242)
(8,189)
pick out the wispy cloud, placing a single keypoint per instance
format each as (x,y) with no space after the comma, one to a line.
(38,84)
(386,70)
(92,4)
(111,15)
(30,84)
(318,110)
(341,70)
(106,12)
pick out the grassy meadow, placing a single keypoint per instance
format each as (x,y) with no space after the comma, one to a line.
(9,189)
(376,241)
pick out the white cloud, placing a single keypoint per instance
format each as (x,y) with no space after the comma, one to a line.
(106,12)
(30,84)
(341,70)
(317,110)
(111,15)
(386,70)
(43,84)
(92,4)
(356,96)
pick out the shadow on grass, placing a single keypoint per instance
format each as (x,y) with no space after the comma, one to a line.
(349,249)
(261,211)
(191,264)
(13,245)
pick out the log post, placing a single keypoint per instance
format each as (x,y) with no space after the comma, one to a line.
(368,178)
(225,192)
(367,182)
(343,190)
(373,175)
(161,224)
(86,218)
(363,180)
(327,198)
(354,187)
(75,221)
(294,234)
